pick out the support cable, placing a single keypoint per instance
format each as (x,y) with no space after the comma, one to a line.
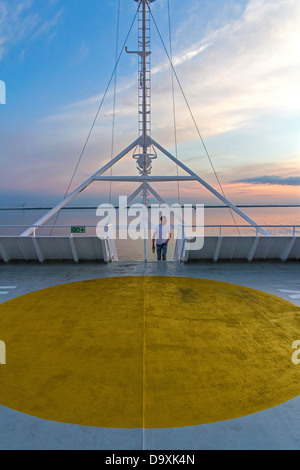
(114,100)
(192,115)
(97,113)
(173,96)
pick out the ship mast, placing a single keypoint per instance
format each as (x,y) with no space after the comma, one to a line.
(144,157)
(144,142)
(144,75)
(145,93)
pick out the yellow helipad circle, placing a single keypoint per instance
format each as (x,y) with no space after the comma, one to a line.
(151,352)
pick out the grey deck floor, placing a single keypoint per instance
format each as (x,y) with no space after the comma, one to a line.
(275,428)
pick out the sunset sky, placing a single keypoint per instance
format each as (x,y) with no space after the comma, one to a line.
(237,61)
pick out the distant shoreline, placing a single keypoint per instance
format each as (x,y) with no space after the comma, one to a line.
(117,207)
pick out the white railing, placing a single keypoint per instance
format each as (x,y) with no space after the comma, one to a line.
(180,247)
(220,227)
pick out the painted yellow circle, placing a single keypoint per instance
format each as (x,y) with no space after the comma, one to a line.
(151,352)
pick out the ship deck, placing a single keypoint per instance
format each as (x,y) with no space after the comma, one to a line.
(277,427)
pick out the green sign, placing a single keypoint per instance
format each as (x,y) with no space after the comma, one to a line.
(77,229)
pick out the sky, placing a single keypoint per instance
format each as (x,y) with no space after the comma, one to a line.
(237,66)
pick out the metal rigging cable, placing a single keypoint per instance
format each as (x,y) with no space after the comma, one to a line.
(97,113)
(114,100)
(191,113)
(173,96)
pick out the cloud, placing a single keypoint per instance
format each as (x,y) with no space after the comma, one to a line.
(242,71)
(47,26)
(19,20)
(272,179)
(245,69)
(236,73)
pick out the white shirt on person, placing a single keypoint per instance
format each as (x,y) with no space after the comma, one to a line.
(162,233)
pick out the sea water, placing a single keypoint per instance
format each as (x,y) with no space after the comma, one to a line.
(15,221)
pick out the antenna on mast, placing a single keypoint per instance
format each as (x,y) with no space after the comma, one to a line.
(144,157)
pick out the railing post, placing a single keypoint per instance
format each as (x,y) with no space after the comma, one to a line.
(182,250)
(183,244)
(145,243)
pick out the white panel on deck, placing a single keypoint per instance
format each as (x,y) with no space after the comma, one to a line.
(27,247)
(295,251)
(279,247)
(11,250)
(88,248)
(263,247)
(208,250)
(248,248)
(243,247)
(53,249)
(227,248)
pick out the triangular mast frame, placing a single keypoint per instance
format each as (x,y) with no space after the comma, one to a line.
(145,143)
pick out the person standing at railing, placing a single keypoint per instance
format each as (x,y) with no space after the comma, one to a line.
(162,236)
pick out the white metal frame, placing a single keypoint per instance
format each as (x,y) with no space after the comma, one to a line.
(144,142)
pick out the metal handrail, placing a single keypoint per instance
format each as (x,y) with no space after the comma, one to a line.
(123,226)
(219,226)
(144,227)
